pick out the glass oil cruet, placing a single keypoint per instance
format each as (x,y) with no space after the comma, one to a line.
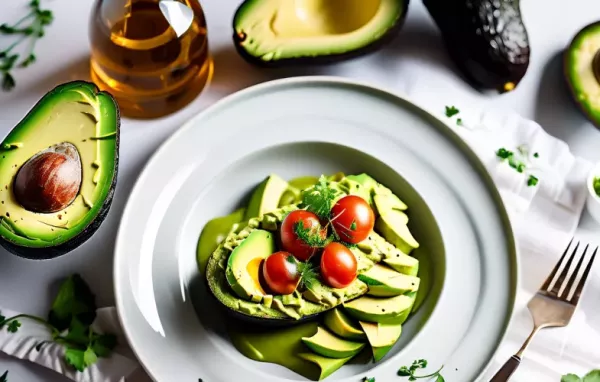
(151,55)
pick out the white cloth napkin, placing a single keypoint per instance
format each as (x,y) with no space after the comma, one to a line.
(120,367)
(544,219)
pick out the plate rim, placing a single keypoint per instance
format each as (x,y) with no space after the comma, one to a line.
(400,95)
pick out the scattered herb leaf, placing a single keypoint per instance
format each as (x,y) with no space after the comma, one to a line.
(308,275)
(38,19)
(532,181)
(367,379)
(597,185)
(451,111)
(536,155)
(14,326)
(74,300)
(459,121)
(503,153)
(409,371)
(592,376)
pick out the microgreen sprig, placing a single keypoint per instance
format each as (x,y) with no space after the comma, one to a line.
(409,371)
(38,20)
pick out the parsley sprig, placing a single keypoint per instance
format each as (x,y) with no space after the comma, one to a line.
(69,321)
(519,161)
(592,376)
(319,199)
(38,20)
(409,371)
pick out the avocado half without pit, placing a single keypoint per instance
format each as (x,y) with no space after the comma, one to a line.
(278,32)
(58,171)
(582,71)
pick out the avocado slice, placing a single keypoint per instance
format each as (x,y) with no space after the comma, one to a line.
(387,310)
(487,39)
(394,229)
(382,337)
(339,323)
(386,282)
(582,71)
(385,202)
(402,263)
(328,345)
(244,264)
(276,32)
(266,196)
(58,171)
(327,365)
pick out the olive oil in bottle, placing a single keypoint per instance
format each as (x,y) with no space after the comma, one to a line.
(151,55)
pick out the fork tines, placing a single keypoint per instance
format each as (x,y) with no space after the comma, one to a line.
(562,288)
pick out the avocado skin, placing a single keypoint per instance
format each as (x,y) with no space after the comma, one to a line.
(383,40)
(567,67)
(488,59)
(62,249)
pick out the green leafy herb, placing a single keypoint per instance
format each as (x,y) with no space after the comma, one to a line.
(73,311)
(312,236)
(409,371)
(307,271)
(38,20)
(532,181)
(459,121)
(319,199)
(367,379)
(536,155)
(592,376)
(596,185)
(451,111)
(14,326)
(4,377)
(503,153)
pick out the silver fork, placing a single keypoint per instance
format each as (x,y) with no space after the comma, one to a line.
(554,304)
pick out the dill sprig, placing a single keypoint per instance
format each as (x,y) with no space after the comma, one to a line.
(312,235)
(38,20)
(309,274)
(319,199)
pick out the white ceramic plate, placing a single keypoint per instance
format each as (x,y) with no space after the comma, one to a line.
(303,126)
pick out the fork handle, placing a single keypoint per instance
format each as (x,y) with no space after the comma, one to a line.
(507,370)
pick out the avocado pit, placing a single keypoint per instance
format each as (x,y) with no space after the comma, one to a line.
(50,180)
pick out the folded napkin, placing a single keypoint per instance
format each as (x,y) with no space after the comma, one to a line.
(544,219)
(121,366)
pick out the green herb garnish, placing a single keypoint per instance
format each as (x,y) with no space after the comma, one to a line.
(312,236)
(596,185)
(319,199)
(459,121)
(592,376)
(503,153)
(451,111)
(69,320)
(416,365)
(353,226)
(4,377)
(536,155)
(532,181)
(367,379)
(307,271)
(38,20)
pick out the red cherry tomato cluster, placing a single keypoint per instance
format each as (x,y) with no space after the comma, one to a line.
(303,235)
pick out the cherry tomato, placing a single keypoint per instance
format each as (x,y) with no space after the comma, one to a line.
(281,273)
(352,218)
(338,265)
(290,240)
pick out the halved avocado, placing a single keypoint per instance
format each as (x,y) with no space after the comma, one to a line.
(58,171)
(276,32)
(582,71)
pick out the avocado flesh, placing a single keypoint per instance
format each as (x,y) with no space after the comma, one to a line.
(389,310)
(75,113)
(339,323)
(386,282)
(382,337)
(328,345)
(266,196)
(582,71)
(326,365)
(278,31)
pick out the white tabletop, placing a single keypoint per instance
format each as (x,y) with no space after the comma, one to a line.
(63,55)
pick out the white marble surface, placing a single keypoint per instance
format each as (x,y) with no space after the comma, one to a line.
(417,52)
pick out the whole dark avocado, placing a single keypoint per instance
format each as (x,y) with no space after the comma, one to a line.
(487,40)
(278,33)
(58,171)
(582,71)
